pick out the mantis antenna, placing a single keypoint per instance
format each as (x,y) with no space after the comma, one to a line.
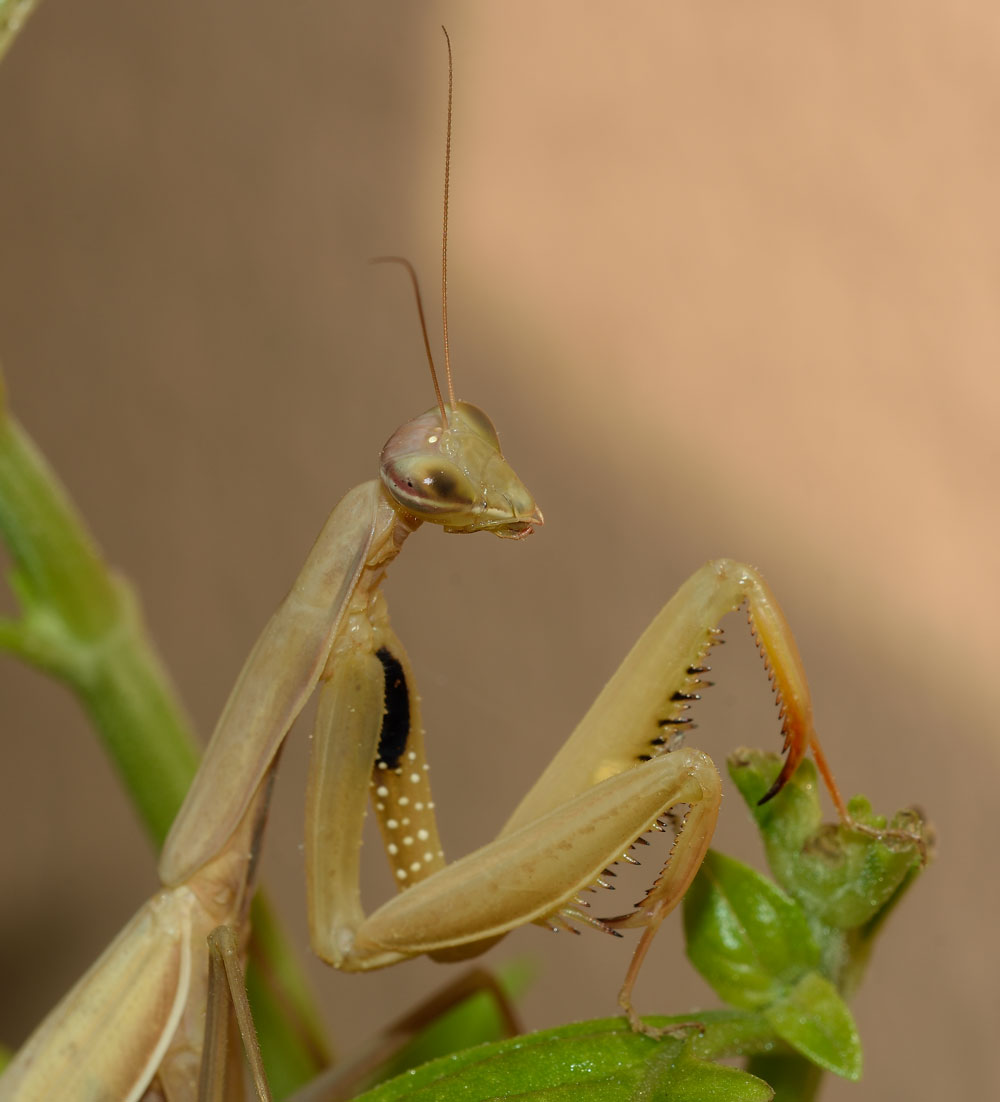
(423,327)
(444,267)
(444,224)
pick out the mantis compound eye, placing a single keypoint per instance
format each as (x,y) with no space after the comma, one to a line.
(478,422)
(429,487)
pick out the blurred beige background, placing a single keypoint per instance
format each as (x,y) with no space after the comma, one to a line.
(727,278)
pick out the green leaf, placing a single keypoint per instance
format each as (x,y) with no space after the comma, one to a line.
(840,876)
(603,1061)
(744,935)
(687,1079)
(815,1021)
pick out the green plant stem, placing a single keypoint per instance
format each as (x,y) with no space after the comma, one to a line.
(13,15)
(81,623)
(793,1077)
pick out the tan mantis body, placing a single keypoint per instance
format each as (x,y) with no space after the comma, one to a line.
(139,1011)
(134,1022)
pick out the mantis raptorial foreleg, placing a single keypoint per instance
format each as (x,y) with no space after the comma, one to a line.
(227,1015)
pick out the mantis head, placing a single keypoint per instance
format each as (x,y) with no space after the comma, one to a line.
(446,465)
(450,470)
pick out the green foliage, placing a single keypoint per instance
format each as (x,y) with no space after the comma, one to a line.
(600,1060)
(744,935)
(814,1020)
(841,877)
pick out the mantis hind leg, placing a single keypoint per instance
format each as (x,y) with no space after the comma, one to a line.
(228,1012)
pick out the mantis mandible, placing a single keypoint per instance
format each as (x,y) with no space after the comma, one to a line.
(136,1017)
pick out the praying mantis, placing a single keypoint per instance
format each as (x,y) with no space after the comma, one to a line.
(135,1019)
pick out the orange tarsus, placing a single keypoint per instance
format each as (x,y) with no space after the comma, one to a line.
(797,742)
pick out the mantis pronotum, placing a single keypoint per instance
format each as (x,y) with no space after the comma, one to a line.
(135,1018)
